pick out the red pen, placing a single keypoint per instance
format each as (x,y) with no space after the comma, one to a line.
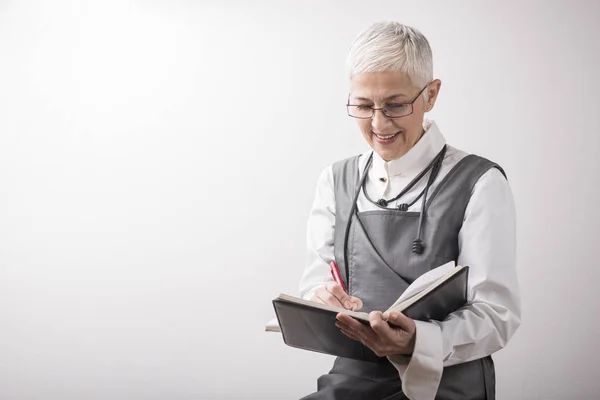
(335,272)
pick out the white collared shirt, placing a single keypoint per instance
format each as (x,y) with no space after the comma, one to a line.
(486,244)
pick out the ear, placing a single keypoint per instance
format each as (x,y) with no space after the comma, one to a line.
(433,90)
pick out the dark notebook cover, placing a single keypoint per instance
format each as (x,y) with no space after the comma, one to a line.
(314,329)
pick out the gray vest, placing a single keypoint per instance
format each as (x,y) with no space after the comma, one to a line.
(381,266)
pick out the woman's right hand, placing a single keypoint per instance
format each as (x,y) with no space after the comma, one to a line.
(332,293)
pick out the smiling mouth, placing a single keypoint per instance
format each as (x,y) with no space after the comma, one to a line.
(386,137)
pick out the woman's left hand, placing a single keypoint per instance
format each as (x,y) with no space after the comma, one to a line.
(386,338)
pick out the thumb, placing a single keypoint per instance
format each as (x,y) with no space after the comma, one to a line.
(402,321)
(357,303)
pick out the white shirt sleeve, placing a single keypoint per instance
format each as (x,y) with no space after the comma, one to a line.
(320,231)
(487,244)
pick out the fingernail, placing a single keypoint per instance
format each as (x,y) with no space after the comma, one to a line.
(348,305)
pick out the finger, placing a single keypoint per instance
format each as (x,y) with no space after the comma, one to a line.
(402,321)
(327,297)
(359,336)
(356,302)
(316,299)
(360,329)
(342,325)
(348,320)
(379,325)
(336,290)
(351,335)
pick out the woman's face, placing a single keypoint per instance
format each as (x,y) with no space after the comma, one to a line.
(391,138)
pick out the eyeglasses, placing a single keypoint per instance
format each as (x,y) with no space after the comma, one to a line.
(393,110)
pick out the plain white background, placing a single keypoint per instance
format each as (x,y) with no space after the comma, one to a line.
(158,161)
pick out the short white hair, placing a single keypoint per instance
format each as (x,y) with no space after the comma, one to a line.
(391,46)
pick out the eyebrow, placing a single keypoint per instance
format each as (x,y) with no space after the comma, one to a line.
(387,98)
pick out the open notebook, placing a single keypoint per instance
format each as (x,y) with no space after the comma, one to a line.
(310,325)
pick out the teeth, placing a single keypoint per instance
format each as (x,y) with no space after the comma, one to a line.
(385,137)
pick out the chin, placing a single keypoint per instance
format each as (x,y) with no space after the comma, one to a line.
(387,154)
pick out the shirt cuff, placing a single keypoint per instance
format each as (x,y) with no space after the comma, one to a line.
(422,372)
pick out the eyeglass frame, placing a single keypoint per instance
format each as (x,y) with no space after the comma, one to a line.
(373,109)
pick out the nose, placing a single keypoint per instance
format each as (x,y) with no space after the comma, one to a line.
(379,121)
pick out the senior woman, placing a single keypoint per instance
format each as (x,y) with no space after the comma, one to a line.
(410,204)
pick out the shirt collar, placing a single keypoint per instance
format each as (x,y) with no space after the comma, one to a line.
(416,159)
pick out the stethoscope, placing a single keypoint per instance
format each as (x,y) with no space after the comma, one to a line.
(417,245)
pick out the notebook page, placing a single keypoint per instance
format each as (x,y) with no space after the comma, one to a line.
(272,325)
(424,281)
(411,300)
